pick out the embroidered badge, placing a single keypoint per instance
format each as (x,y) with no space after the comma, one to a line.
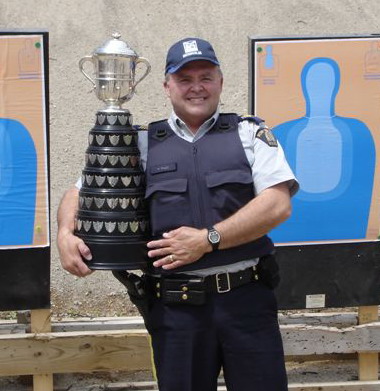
(266,135)
(190,48)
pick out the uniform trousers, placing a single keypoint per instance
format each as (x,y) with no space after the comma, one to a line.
(236,331)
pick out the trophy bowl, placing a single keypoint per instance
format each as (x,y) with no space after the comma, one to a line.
(114,66)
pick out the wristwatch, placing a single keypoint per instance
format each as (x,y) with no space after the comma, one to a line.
(213,236)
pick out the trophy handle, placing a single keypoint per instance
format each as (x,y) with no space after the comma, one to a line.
(81,63)
(147,70)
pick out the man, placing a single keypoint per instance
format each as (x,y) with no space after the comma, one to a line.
(216,185)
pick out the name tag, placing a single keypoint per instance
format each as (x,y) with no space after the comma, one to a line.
(169,167)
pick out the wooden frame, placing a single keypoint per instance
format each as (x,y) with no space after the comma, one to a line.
(42,352)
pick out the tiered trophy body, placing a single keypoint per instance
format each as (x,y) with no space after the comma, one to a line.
(112,218)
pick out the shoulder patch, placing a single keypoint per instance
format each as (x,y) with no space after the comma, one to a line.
(266,135)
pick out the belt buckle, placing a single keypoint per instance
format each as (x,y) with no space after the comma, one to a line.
(218,282)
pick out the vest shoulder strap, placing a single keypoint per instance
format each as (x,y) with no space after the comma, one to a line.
(159,130)
(226,122)
(157,123)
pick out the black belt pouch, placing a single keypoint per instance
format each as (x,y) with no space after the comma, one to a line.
(183,291)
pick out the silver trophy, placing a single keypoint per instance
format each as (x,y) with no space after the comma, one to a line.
(114,67)
(112,217)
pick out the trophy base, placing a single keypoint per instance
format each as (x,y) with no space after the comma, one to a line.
(117,256)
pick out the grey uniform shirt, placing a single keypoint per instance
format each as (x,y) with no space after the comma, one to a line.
(268,164)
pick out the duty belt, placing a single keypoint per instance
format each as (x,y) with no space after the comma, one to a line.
(192,289)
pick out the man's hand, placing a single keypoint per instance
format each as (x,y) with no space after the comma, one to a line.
(179,247)
(71,248)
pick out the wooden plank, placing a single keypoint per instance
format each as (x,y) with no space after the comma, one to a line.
(308,340)
(126,323)
(43,382)
(327,319)
(332,319)
(330,386)
(44,353)
(40,354)
(82,351)
(335,319)
(138,386)
(322,357)
(82,324)
(40,323)
(11,328)
(368,362)
(337,386)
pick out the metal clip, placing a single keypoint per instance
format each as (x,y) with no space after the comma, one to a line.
(255,273)
(218,280)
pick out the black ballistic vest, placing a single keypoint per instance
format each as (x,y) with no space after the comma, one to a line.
(199,184)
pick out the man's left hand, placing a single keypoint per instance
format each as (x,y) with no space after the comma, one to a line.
(179,247)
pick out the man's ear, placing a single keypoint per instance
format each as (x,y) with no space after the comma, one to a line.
(166,88)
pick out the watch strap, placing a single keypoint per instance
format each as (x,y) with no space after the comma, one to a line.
(213,237)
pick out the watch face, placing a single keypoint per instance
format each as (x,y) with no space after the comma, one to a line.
(214,237)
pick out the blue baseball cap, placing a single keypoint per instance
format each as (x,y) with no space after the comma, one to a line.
(186,50)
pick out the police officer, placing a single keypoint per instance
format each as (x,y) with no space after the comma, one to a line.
(216,184)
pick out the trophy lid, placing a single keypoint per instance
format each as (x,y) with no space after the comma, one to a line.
(116,46)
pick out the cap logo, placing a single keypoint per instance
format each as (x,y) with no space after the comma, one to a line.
(190,48)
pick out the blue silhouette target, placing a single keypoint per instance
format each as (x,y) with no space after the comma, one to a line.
(18,178)
(333,158)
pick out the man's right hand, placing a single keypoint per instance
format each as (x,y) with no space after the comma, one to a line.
(71,248)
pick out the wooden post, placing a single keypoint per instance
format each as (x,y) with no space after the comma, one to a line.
(368,362)
(40,322)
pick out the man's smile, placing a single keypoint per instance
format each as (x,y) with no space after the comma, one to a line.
(197,99)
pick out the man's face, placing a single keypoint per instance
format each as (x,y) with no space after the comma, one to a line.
(194,91)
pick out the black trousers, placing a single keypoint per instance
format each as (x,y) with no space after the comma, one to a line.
(236,331)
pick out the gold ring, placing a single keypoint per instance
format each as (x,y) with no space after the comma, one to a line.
(171,258)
